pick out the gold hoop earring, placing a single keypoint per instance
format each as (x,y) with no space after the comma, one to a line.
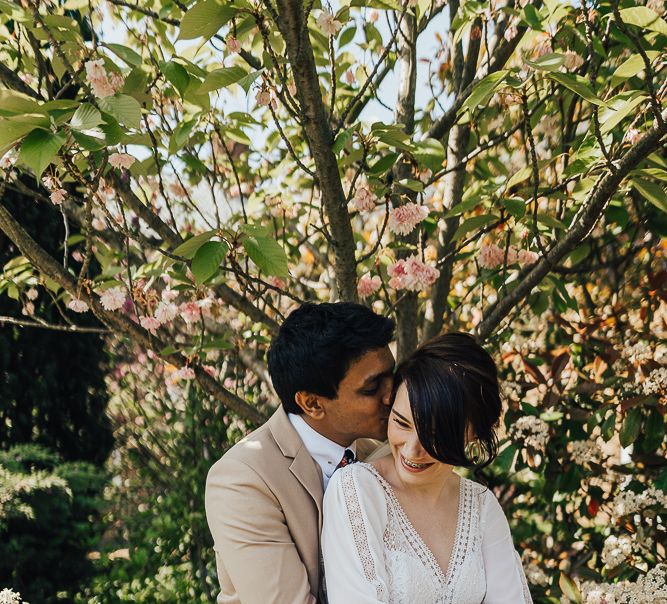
(473,452)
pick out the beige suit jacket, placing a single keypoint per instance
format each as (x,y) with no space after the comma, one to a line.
(264,510)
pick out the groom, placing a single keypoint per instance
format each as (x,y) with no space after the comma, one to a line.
(332,369)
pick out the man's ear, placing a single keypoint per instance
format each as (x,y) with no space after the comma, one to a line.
(310,403)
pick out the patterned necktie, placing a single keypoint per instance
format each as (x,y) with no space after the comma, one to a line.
(348,458)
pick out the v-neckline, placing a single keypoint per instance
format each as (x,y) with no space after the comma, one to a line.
(445,577)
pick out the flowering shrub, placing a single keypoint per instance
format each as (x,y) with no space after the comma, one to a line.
(218,163)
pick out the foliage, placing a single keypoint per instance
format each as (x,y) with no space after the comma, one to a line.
(47,513)
(521,197)
(51,385)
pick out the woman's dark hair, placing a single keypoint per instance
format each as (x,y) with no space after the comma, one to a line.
(316,345)
(452,385)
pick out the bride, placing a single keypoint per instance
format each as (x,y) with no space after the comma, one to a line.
(406,529)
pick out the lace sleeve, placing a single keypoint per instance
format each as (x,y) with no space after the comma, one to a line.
(355,515)
(505,578)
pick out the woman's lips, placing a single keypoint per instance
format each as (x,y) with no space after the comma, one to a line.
(411,468)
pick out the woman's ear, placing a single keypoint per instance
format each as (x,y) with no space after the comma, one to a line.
(310,404)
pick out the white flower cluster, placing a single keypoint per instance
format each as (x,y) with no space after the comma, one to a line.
(532,430)
(648,589)
(510,390)
(628,502)
(656,381)
(9,596)
(637,352)
(585,451)
(535,575)
(616,550)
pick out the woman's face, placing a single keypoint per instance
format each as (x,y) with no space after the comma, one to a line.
(411,460)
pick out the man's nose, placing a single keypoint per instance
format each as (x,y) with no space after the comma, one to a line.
(386,395)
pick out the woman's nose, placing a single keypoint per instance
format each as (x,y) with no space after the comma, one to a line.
(412,449)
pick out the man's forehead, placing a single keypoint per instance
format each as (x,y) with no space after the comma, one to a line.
(372,363)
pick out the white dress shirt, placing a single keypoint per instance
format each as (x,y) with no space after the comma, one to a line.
(325,452)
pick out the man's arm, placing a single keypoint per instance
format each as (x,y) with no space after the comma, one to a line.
(251,538)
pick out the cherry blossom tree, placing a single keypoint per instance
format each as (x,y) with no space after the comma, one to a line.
(223,162)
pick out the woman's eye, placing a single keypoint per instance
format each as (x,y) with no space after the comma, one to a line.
(401,424)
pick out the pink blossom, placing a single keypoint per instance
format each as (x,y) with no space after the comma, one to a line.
(210,370)
(632,136)
(28,309)
(98,224)
(169,295)
(328,23)
(572,60)
(50,182)
(77,305)
(277,282)
(291,87)
(368,285)
(263,97)
(412,274)
(528,257)
(149,323)
(363,200)
(184,373)
(178,190)
(58,196)
(165,312)
(121,160)
(117,81)
(512,255)
(100,83)
(77,255)
(233,45)
(490,256)
(95,70)
(113,298)
(350,77)
(403,219)
(511,32)
(32,294)
(228,383)
(373,15)
(190,312)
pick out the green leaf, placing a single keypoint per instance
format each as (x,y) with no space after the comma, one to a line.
(413,185)
(644,17)
(127,54)
(652,191)
(204,19)
(476,222)
(88,142)
(11,131)
(189,248)
(123,108)
(570,589)
(550,221)
(383,164)
(576,84)
(532,17)
(221,78)
(519,177)
(346,36)
(86,117)
(176,74)
(267,254)
(342,139)
(618,108)
(430,153)
(39,148)
(515,206)
(631,67)
(247,81)
(463,206)
(17,102)
(630,428)
(207,259)
(483,90)
(549,62)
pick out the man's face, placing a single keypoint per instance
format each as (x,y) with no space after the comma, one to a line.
(361,409)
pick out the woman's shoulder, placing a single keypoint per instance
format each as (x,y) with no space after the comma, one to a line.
(360,474)
(357,488)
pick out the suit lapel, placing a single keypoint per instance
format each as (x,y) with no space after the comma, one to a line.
(303,467)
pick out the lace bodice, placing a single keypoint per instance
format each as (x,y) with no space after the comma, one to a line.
(372,553)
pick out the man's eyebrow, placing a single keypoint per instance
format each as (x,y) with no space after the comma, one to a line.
(377,376)
(405,419)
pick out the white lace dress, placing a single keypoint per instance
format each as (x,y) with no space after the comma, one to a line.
(372,553)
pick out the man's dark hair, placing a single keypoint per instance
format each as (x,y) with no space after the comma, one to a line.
(316,345)
(452,384)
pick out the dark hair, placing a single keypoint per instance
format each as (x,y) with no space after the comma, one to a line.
(452,384)
(316,345)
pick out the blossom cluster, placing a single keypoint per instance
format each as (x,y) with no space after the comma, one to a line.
(656,382)
(629,502)
(585,452)
(56,192)
(532,430)
(9,596)
(121,160)
(650,588)
(363,201)
(637,352)
(412,274)
(403,219)
(492,256)
(101,83)
(617,549)
(368,285)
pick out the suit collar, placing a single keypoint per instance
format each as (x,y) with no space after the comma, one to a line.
(303,467)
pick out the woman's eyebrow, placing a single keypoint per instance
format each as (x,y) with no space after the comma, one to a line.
(407,421)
